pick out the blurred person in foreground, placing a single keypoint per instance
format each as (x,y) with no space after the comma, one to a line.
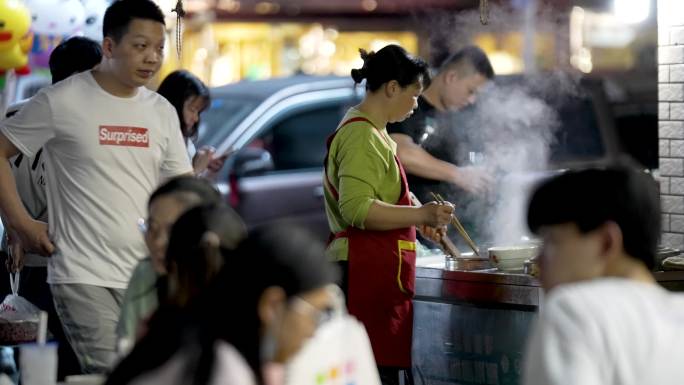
(237,331)
(145,288)
(605,321)
(190,97)
(367,202)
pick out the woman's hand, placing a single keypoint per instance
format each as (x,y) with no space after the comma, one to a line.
(434,234)
(205,160)
(202,159)
(436,214)
(216,163)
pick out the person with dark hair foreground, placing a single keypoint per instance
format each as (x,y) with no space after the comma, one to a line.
(605,320)
(108,142)
(74,55)
(189,96)
(372,222)
(232,331)
(145,288)
(454,87)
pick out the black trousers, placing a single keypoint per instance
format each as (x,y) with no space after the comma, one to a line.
(390,375)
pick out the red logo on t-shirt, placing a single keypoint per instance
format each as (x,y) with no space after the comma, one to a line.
(124,136)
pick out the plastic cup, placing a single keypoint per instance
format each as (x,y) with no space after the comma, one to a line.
(38,364)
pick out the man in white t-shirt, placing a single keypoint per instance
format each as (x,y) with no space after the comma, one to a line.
(605,320)
(107,142)
(71,56)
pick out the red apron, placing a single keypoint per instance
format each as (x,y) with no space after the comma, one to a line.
(382,267)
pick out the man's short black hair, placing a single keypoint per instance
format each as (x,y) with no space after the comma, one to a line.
(74,55)
(589,198)
(469,60)
(120,14)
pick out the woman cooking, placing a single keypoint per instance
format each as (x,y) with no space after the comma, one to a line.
(372,222)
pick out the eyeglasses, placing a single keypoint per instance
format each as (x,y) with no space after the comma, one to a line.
(304,307)
(151,228)
(142,225)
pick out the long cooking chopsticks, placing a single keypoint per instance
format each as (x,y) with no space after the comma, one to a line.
(457,224)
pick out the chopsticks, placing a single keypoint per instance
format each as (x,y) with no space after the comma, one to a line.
(447,246)
(455,222)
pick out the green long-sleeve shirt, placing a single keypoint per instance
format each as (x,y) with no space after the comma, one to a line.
(362,168)
(140,300)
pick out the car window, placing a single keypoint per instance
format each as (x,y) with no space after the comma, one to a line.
(298,140)
(221,118)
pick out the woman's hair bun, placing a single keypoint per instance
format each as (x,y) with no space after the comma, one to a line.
(362,73)
(365,55)
(358,74)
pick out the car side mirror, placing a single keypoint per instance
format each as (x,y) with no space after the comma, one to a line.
(252,161)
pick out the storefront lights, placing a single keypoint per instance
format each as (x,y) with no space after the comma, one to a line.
(670,12)
(632,11)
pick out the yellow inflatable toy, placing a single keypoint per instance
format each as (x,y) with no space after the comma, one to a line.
(15,38)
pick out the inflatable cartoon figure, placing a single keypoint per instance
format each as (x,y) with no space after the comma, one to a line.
(94,12)
(53,21)
(15,38)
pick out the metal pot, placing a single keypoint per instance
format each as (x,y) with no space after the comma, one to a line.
(468,262)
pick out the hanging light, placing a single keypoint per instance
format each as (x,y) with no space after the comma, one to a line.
(180,13)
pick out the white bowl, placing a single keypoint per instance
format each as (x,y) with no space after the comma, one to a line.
(512,258)
(85,379)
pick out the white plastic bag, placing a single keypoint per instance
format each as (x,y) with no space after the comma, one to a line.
(338,353)
(19,318)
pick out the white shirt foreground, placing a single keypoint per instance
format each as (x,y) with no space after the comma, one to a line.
(608,331)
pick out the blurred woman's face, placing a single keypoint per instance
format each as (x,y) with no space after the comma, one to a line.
(163,213)
(193,106)
(302,315)
(404,101)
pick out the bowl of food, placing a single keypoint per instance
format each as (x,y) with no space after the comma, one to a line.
(512,258)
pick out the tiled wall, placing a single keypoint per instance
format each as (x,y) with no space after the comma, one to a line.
(671,120)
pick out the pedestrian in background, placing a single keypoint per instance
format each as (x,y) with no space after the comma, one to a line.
(190,97)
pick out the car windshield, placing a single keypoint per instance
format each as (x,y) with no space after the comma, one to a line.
(221,118)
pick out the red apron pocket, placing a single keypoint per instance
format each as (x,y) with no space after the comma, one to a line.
(406,274)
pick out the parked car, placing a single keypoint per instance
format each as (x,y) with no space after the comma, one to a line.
(24,87)
(277,130)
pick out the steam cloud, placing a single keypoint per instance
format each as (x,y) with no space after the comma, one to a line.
(510,128)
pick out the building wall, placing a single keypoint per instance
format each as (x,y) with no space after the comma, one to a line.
(671,119)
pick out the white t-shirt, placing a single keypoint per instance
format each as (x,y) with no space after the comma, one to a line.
(608,331)
(104,155)
(29,175)
(230,368)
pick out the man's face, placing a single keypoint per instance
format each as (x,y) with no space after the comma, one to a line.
(138,56)
(568,255)
(460,91)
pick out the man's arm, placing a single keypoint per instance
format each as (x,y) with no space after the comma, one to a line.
(33,234)
(419,162)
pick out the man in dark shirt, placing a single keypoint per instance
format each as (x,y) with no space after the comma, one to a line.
(452,88)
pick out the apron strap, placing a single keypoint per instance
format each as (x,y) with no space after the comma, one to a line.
(328,185)
(328,143)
